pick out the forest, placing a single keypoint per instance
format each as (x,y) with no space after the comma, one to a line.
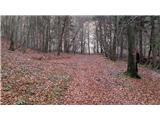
(80,60)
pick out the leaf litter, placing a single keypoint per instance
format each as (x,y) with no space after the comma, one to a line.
(44,78)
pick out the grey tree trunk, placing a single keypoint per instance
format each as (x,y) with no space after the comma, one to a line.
(97,39)
(152,43)
(61,36)
(121,49)
(82,42)
(141,39)
(12,42)
(113,56)
(88,40)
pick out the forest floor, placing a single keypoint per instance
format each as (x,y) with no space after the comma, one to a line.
(44,78)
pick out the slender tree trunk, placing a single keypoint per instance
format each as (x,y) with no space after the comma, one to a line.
(82,40)
(110,42)
(115,40)
(141,39)
(66,34)
(61,36)
(47,40)
(97,39)
(88,41)
(47,34)
(121,44)
(100,37)
(152,44)
(74,42)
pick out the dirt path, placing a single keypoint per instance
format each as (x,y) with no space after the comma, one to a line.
(85,89)
(100,81)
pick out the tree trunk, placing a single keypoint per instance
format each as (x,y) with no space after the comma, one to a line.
(131,69)
(12,42)
(141,38)
(61,36)
(97,39)
(47,34)
(47,39)
(82,40)
(113,57)
(110,42)
(66,34)
(100,37)
(152,44)
(88,41)
(121,44)
(12,36)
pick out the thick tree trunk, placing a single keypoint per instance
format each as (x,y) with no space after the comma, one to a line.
(11,43)
(132,68)
(11,37)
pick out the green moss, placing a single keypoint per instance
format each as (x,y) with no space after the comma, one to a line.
(21,102)
(7,88)
(132,75)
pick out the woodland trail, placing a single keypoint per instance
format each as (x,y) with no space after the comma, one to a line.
(44,78)
(101,81)
(85,88)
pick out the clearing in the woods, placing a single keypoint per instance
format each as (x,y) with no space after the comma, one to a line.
(45,78)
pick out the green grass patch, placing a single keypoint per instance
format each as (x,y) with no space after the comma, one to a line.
(21,102)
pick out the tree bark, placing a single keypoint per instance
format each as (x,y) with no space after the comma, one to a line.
(88,40)
(61,35)
(141,38)
(82,42)
(152,44)
(121,44)
(131,69)
(97,39)
(12,42)
(113,57)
